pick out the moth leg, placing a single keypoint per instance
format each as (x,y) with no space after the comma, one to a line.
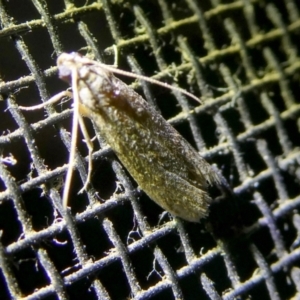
(50,101)
(90,146)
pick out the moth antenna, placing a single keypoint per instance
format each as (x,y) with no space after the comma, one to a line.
(148,79)
(116,56)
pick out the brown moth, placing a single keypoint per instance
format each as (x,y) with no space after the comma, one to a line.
(161,161)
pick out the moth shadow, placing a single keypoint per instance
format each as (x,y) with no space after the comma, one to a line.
(225,220)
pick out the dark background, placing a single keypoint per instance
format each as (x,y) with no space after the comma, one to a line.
(242,59)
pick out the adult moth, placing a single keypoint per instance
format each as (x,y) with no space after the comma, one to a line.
(161,161)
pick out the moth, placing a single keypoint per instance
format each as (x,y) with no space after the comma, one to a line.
(165,166)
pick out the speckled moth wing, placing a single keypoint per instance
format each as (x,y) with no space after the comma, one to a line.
(164,165)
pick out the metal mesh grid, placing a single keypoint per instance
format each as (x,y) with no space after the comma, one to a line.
(243,58)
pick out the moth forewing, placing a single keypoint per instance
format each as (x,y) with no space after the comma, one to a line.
(164,165)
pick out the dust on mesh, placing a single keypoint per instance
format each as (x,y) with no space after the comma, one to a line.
(249,128)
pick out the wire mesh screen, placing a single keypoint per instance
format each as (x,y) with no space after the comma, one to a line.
(242,59)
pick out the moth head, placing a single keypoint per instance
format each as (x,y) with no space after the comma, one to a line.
(68,63)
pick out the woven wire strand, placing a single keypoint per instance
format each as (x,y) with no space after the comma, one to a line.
(248,124)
